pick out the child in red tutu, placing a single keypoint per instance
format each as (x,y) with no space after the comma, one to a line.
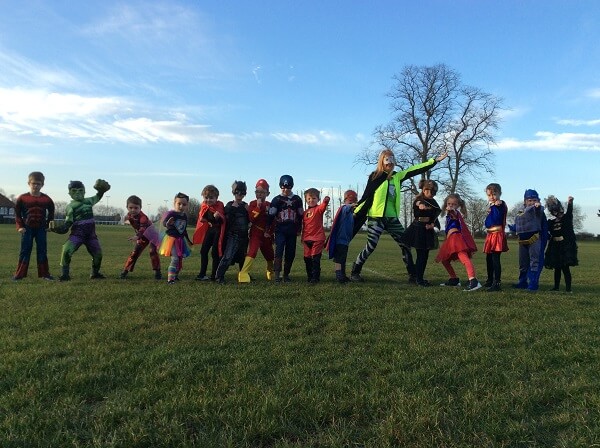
(459,244)
(495,240)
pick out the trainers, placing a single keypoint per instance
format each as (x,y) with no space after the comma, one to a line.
(171,282)
(202,278)
(356,278)
(488,284)
(157,275)
(221,280)
(97,276)
(123,275)
(16,279)
(64,278)
(48,278)
(495,287)
(423,283)
(454,281)
(286,279)
(473,285)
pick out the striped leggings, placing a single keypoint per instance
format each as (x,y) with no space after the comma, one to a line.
(375,227)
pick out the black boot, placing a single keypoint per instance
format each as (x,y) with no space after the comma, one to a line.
(308,264)
(355,274)
(316,269)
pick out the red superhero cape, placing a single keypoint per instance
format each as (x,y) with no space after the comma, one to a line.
(203,226)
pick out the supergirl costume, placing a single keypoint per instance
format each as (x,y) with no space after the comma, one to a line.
(495,242)
(459,245)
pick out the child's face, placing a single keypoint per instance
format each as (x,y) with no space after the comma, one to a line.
(261,193)
(77,194)
(285,191)
(311,200)
(210,200)
(180,205)
(238,196)
(492,195)
(530,201)
(133,209)
(35,186)
(428,193)
(452,204)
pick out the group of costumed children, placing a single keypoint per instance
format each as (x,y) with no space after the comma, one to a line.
(234,233)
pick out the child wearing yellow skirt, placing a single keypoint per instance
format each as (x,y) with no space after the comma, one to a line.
(174,242)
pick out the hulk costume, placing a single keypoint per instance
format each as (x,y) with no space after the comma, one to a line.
(80,219)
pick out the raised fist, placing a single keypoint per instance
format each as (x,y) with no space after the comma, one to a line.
(101,186)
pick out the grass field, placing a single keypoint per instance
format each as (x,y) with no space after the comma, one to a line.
(138,363)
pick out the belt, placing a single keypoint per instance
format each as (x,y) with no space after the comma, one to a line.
(423,219)
(495,229)
(558,238)
(531,240)
(453,230)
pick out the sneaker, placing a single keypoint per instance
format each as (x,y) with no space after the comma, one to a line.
(221,281)
(48,278)
(488,284)
(123,275)
(495,287)
(157,275)
(473,285)
(64,278)
(412,279)
(171,282)
(454,281)
(97,276)
(202,278)
(555,289)
(16,279)
(287,279)
(423,283)
(356,278)
(278,279)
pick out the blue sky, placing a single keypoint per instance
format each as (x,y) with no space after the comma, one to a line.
(161,97)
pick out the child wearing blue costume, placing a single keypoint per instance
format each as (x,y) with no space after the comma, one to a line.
(174,242)
(532,228)
(495,240)
(459,243)
(342,232)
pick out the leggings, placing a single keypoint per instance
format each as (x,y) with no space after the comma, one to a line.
(375,227)
(464,258)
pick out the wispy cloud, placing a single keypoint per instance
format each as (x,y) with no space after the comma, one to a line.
(320,137)
(594,93)
(551,141)
(573,122)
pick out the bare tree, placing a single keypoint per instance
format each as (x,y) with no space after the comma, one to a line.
(433,112)
(477,212)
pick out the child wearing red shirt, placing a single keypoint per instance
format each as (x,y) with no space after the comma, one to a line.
(313,233)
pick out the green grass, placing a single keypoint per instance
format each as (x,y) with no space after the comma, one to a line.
(138,363)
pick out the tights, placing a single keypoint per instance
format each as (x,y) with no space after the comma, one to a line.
(464,258)
(567,273)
